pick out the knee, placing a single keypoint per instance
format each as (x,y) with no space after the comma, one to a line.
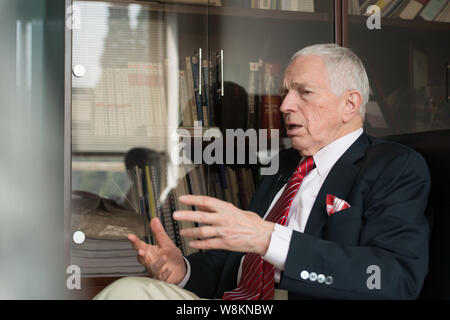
(128,288)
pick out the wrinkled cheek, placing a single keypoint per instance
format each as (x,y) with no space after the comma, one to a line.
(314,129)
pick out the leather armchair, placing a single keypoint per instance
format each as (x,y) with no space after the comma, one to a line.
(435,148)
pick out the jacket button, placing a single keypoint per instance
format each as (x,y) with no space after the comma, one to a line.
(304,275)
(329,280)
(320,278)
(313,276)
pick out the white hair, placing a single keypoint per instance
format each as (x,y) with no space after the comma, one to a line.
(345,70)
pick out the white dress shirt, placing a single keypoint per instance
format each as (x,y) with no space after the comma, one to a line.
(301,206)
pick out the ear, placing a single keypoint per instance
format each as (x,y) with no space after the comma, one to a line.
(353,101)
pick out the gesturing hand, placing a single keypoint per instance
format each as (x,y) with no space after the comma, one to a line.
(163,261)
(227,227)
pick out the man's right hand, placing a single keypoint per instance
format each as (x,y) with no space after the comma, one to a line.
(164,261)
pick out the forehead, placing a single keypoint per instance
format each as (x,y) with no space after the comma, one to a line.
(307,70)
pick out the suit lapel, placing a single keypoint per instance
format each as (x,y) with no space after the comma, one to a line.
(339,183)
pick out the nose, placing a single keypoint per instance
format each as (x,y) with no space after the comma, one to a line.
(289,104)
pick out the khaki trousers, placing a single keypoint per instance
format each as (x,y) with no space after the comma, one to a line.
(145,288)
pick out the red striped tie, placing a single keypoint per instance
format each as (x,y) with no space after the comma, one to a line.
(257,280)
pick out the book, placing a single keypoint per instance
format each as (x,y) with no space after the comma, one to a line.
(195,77)
(205,94)
(191,91)
(398,9)
(253,78)
(264,4)
(444,15)
(185,107)
(363,7)
(271,100)
(412,9)
(216,3)
(432,9)
(158,92)
(111,110)
(391,7)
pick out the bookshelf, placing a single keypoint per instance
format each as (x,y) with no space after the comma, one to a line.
(131,54)
(407,59)
(245,49)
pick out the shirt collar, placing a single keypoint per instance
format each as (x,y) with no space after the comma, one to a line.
(326,157)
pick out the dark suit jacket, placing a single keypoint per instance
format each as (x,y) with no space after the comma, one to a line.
(387,187)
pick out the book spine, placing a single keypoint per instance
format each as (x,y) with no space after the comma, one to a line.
(119,102)
(156,183)
(111,103)
(134,98)
(175,224)
(431,10)
(205,95)
(190,82)
(392,5)
(251,94)
(271,101)
(186,114)
(212,93)
(412,9)
(195,75)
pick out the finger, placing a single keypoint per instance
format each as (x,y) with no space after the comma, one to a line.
(209,203)
(141,257)
(136,242)
(200,232)
(197,216)
(209,244)
(165,275)
(161,236)
(146,257)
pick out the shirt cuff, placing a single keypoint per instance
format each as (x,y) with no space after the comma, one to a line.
(279,246)
(187,276)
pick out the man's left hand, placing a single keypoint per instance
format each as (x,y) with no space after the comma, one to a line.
(225,226)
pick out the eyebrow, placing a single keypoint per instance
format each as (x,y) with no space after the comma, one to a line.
(294,86)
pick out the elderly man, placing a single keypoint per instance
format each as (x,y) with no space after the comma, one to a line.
(343,218)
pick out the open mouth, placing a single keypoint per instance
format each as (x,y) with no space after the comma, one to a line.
(293,126)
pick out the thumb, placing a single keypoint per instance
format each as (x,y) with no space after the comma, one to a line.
(161,236)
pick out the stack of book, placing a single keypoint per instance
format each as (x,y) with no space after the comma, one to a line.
(105,225)
(429,10)
(235,185)
(97,257)
(288,5)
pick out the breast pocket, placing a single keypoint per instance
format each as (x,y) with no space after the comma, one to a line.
(344,226)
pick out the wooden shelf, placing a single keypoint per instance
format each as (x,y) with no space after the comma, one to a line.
(227,11)
(270,14)
(117,144)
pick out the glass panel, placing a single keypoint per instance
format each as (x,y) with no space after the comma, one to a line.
(129,101)
(258,39)
(407,61)
(31,142)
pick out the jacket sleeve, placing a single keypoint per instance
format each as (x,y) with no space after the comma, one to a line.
(391,258)
(206,272)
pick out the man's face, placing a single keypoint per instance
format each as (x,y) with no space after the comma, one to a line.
(312,113)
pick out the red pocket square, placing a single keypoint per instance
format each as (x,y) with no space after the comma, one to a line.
(335,204)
